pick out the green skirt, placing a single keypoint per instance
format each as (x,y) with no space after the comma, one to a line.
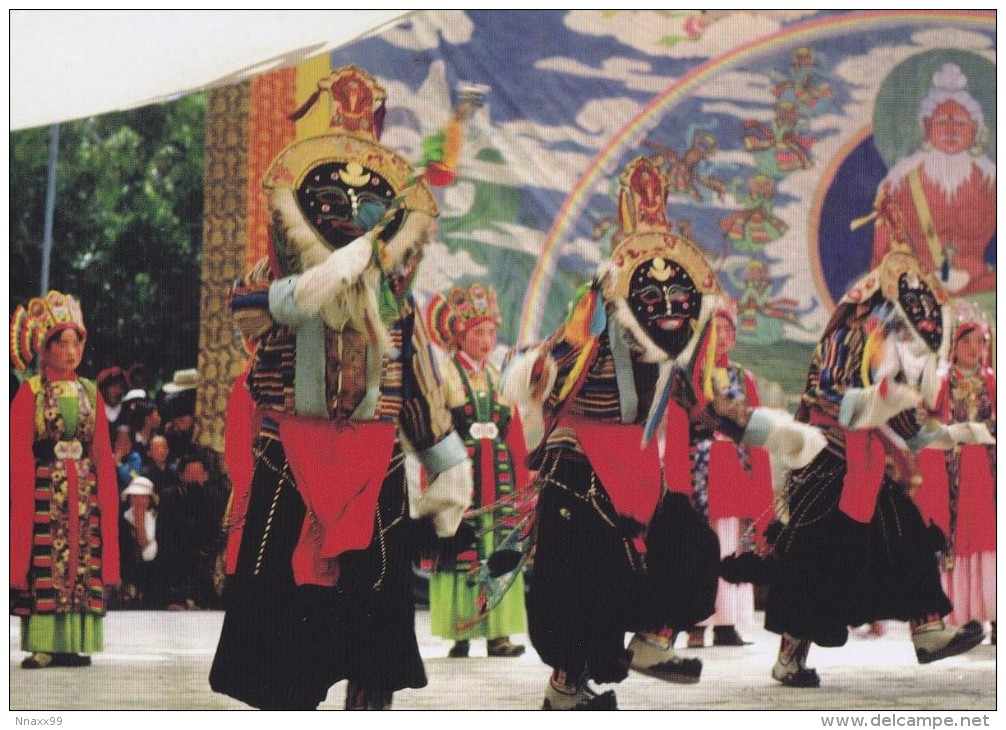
(62,633)
(453,601)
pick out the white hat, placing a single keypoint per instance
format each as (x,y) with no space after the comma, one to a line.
(135,394)
(182,380)
(140,486)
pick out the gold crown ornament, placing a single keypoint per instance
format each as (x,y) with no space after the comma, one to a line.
(32,325)
(326,191)
(450,317)
(646,235)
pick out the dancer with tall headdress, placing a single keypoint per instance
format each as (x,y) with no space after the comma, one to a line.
(614,550)
(321,545)
(854,548)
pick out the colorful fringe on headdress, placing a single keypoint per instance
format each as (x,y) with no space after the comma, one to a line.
(30,326)
(450,317)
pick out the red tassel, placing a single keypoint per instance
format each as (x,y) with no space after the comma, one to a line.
(438,175)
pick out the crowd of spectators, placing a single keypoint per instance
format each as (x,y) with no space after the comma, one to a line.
(173,493)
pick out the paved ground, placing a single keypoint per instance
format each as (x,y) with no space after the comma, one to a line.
(160,660)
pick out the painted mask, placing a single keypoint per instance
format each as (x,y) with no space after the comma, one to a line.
(342,201)
(665,303)
(924,313)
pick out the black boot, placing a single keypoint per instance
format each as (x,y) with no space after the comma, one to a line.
(727,636)
(360,698)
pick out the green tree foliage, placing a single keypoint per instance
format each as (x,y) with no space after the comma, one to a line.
(127,230)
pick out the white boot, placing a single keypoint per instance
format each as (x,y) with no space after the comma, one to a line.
(578,697)
(939,641)
(790,666)
(656,659)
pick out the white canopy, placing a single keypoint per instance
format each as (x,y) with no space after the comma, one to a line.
(69,64)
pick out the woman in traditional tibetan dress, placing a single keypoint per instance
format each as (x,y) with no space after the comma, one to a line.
(958,490)
(64,544)
(465,324)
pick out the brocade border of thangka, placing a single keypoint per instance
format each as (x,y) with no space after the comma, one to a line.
(221,352)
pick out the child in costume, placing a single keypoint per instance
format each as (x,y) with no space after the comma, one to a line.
(464,323)
(64,499)
(342,383)
(595,394)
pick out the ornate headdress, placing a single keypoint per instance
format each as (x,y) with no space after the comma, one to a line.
(728,310)
(661,288)
(450,317)
(326,191)
(914,292)
(31,326)
(970,318)
(647,252)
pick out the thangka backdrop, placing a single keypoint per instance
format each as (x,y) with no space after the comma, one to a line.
(777,129)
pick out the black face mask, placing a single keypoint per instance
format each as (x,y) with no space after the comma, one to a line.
(340,211)
(663,299)
(924,312)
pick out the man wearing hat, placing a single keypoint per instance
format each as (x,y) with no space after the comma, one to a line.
(178,410)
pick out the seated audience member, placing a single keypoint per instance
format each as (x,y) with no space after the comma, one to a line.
(190,534)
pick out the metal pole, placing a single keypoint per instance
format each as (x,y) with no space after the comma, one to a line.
(50,207)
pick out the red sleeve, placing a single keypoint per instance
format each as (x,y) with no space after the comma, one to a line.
(942,409)
(22,484)
(239,432)
(751,390)
(518,450)
(108,495)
